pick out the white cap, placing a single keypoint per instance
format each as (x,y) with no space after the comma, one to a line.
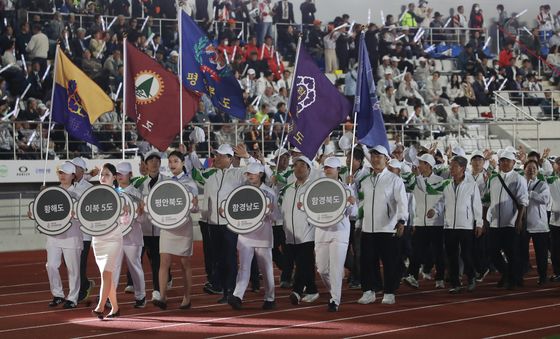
(67,168)
(305,160)
(79,162)
(381,150)
(254,168)
(511,149)
(295,150)
(152,154)
(395,59)
(280,152)
(174,53)
(405,28)
(251,71)
(332,162)
(395,163)
(345,142)
(422,59)
(477,153)
(507,155)
(457,150)
(124,167)
(225,149)
(454,105)
(428,158)
(386,57)
(431,105)
(388,71)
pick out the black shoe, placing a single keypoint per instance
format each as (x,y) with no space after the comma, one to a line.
(56,301)
(332,307)
(234,302)
(159,303)
(295,298)
(269,305)
(541,281)
(69,304)
(185,307)
(140,303)
(114,315)
(555,278)
(223,300)
(208,288)
(99,315)
(501,283)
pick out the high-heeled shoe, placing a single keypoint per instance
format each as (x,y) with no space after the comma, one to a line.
(114,315)
(185,307)
(99,315)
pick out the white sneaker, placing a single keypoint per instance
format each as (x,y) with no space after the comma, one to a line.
(156,295)
(440,284)
(310,298)
(170,283)
(411,281)
(388,299)
(129,289)
(367,298)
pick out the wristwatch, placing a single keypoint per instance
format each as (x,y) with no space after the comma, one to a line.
(401,221)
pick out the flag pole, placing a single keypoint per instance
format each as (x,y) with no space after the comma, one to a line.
(180,18)
(291,90)
(50,116)
(362,42)
(124,108)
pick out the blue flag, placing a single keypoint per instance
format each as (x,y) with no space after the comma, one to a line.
(77,100)
(205,70)
(316,106)
(371,127)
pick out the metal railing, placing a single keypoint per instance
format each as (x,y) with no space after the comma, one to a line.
(536,102)
(264,138)
(13,210)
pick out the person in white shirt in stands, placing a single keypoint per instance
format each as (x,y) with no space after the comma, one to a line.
(257,243)
(68,245)
(38,46)
(388,103)
(300,235)
(331,243)
(384,211)
(462,210)
(505,215)
(385,65)
(536,221)
(434,90)
(329,41)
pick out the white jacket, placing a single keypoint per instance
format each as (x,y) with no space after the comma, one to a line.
(218,184)
(296,227)
(502,211)
(555,202)
(262,236)
(539,197)
(425,201)
(460,205)
(383,202)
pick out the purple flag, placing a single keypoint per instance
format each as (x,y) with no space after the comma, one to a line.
(316,106)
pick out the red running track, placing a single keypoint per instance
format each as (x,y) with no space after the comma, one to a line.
(529,312)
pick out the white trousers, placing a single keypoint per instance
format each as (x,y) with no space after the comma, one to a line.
(330,257)
(331,61)
(264,261)
(132,254)
(72,260)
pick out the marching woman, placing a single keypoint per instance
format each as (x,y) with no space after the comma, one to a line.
(258,243)
(178,241)
(68,245)
(537,223)
(133,240)
(331,243)
(108,251)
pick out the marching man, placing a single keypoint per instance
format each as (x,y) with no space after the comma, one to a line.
(383,212)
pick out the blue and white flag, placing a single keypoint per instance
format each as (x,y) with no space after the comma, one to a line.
(371,127)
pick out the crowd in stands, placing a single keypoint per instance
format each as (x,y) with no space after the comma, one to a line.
(259,38)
